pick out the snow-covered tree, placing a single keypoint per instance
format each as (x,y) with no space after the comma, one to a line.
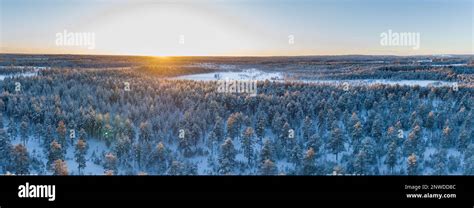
(446,139)
(218,130)
(60,167)
(260,129)
(268,168)
(296,156)
(80,154)
(392,156)
(110,162)
(357,136)
(412,165)
(55,153)
(307,128)
(233,125)
(227,157)
(314,142)
(469,166)
(266,152)
(61,131)
(309,165)
(24,132)
(336,142)
(161,157)
(463,139)
(247,144)
(21,160)
(5,149)
(441,162)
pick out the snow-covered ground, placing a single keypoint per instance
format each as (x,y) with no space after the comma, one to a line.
(35,68)
(254,74)
(421,83)
(249,74)
(35,149)
(26,74)
(32,71)
(440,65)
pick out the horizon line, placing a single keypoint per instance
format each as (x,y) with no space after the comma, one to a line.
(224,56)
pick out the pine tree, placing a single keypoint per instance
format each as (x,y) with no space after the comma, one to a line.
(176,168)
(268,168)
(357,136)
(5,149)
(412,144)
(60,167)
(108,134)
(354,120)
(469,152)
(129,130)
(195,134)
(309,166)
(233,124)
(392,156)
(392,135)
(110,163)
(360,162)
(260,129)
(412,165)
(161,157)
(266,152)
(336,143)
(296,156)
(80,154)
(82,134)
(61,130)
(277,123)
(453,163)
(446,141)
(377,129)
(227,157)
(440,162)
(430,120)
(24,132)
(314,142)
(12,129)
(469,166)
(369,147)
(48,136)
(137,154)
(285,142)
(307,128)
(247,144)
(145,133)
(55,153)
(21,160)
(218,130)
(212,142)
(185,144)
(463,140)
(122,148)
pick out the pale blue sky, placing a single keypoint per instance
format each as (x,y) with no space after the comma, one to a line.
(237,27)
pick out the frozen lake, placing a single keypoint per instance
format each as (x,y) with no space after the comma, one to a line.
(253,74)
(421,83)
(31,71)
(250,74)
(26,74)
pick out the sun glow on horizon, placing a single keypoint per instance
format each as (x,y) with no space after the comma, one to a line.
(235,28)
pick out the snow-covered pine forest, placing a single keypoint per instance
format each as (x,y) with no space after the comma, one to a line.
(115,121)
